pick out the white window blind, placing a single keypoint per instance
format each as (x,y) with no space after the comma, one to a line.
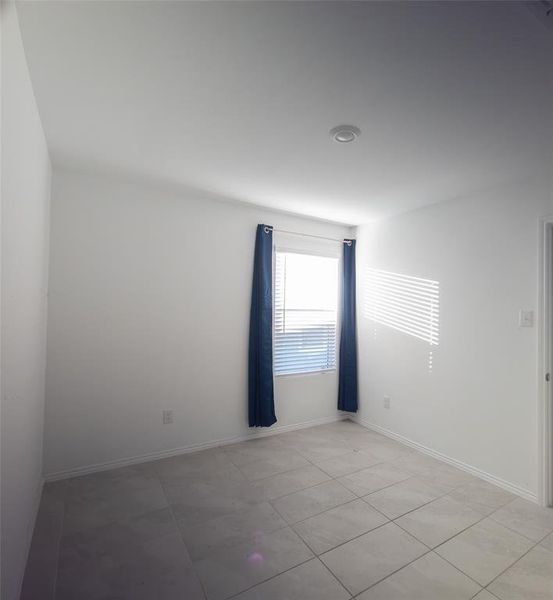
(305,313)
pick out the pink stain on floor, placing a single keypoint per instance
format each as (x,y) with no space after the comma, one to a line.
(255,558)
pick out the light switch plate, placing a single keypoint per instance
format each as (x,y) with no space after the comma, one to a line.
(526,318)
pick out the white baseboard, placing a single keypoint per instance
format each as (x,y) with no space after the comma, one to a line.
(142,458)
(502,483)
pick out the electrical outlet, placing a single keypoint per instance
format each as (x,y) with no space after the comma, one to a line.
(167,417)
(526,318)
(386,401)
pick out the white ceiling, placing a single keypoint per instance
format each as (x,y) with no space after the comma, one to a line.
(236,99)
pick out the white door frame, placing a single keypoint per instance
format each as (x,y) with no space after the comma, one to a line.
(545,362)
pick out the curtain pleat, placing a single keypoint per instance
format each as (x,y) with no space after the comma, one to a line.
(261,405)
(347,386)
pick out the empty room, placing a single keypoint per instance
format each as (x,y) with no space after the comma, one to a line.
(276,305)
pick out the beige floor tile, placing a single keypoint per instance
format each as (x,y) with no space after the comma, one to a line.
(115,542)
(364,440)
(286,460)
(233,570)
(283,484)
(312,501)
(387,450)
(252,450)
(482,496)
(195,464)
(102,498)
(319,450)
(120,539)
(200,500)
(310,581)
(373,479)
(131,562)
(438,521)
(485,595)
(204,538)
(42,562)
(427,578)
(484,550)
(448,476)
(434,471)
(548,542)
(403,497)
(417,463)
(338,525)
(348,463)
(531,578)
(343,425)
(527,518)
(367,559)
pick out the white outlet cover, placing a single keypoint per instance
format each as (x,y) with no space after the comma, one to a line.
(526,318)
(167,417)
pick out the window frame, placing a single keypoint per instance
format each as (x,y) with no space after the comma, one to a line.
(283,248)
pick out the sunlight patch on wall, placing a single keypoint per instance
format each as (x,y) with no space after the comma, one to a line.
(404,303)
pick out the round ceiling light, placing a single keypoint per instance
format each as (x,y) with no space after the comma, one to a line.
(344,134)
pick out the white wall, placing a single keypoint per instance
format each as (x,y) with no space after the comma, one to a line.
(479,404)
(149,310)
(25,221)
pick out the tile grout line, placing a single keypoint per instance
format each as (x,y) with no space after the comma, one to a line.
(291,526)
(485,590)
(364,498)
(318,557)
(514,530)
(429,549)
(361,497)
(469,527)
(286,526)
(335,577)
(433,551)
(412,475)
(393,572)
(303,562)
(317,465)
(388,520)
(457,567)
(204,592)
(314,514)
(270,501)
(536,544)
(336,478)
(352,539)
(446,540)
(58,553)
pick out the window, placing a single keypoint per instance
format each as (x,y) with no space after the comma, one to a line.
(306,307)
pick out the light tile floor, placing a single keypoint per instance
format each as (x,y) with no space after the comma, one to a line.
(325,513)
